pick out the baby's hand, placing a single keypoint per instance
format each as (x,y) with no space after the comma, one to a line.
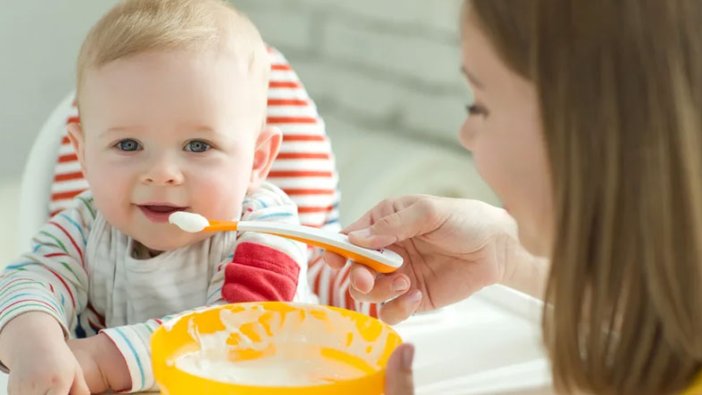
(33,348)
(103,366)
(85,354)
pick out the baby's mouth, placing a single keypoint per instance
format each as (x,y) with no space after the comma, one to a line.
(159,212)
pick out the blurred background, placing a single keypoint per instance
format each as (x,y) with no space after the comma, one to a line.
(384,74)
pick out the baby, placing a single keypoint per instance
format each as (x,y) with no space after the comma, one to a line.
(172,99)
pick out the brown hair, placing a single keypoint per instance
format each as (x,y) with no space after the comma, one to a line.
(135,26)
(620,89)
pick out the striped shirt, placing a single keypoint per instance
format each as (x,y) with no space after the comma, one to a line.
(82,271)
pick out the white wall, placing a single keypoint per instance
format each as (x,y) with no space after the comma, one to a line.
(39,40)
(390,66)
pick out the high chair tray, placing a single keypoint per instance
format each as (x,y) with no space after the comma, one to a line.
(487,344)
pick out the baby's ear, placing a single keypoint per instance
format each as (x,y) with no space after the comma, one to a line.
(267,147)
(77,138)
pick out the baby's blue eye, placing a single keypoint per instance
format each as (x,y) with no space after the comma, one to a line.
(128,145)
(197,146)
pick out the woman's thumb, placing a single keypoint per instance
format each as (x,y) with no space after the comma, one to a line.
(398,378)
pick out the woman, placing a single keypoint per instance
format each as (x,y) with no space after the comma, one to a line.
(587,123)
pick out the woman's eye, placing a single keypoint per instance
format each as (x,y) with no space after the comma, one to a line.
(476,109)
(128,145)
(197,146)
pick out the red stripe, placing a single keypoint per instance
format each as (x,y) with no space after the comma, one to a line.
(303,155)
(55,254)
(308,210)
(287,102)
(76,175)
(284,84)
(27,300)
(281,67)
(344,275)
(373,311)
(73,119)
(65,140)
(299,173)
(303,137)
(70,238)
(67,158)
(330,288)
(73,299)
(65,195)
(7,284)
(51,214)
(297,192)
(350,301)
(279,120)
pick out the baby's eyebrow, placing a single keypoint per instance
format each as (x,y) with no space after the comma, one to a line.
(121,129)
(203,129)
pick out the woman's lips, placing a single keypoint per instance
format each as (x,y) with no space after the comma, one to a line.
(159,212)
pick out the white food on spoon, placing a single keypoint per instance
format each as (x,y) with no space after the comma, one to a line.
(189,222)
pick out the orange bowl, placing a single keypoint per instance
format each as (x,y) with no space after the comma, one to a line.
(272,348)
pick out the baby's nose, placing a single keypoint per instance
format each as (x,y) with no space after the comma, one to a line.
(163,172)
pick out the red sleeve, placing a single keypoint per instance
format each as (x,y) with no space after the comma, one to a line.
(260,273)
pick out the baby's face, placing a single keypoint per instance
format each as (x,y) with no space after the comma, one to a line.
(166,131)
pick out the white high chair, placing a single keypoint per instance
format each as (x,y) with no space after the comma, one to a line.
(38,173)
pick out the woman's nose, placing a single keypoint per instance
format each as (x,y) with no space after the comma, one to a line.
(467,135)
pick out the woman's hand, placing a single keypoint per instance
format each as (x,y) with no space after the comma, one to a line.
(398,378)
(451,249)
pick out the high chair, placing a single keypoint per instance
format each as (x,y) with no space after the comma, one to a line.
(304,169)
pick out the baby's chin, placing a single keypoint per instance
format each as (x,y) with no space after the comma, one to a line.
(164,242)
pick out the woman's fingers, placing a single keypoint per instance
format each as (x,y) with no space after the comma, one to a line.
(399,379)
(401,308)
(414,220)
(362,279)
(368,286)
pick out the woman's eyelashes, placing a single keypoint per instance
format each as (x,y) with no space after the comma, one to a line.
(476,109)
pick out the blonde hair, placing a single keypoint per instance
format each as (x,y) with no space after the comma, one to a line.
(620,89)
(137,26)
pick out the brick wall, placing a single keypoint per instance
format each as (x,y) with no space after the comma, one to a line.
(385,76)
(386,66)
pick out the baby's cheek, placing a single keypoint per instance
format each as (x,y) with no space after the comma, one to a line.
(222,199)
